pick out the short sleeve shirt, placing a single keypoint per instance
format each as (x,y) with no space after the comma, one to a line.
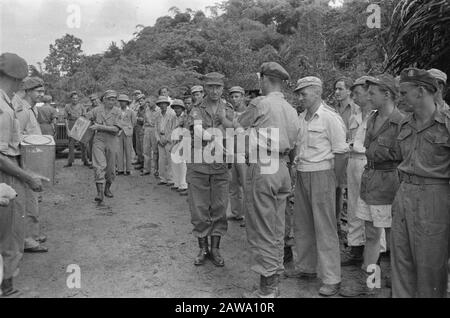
(9,127)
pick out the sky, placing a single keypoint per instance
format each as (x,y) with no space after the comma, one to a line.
(28,27)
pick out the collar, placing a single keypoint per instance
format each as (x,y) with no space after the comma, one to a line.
(396,117)
(438,116)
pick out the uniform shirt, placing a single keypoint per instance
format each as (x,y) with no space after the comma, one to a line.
(27,119)
(140,115)
(165,126)
(378,187)
(426,151)
(46,114)
(152,117)
(73,112)
(9,127)
(347,112)
(358,129)
(100,116)
(126,121)
(272,111)
(319,139)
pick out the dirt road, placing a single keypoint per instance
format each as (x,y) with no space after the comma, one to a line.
(138,245)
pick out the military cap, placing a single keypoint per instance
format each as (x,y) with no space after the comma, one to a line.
(93,96)
(214,78)
(385,81)
(110,93)
(178,103)
(73,93)
(32,83)
(418,76)
(139,97)
(237,89)
(361,81)
(438,74)
(47,99)
(13,65)
(274,69)
(308,81)
(162,99)
(137,92)
(123,98)
(196,89)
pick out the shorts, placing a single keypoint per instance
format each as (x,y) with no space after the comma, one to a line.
(379,215)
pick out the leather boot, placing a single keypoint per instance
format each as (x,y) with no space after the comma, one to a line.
(203,253)
(354,257)
(108,192)
(7,287)
(99,197)
(216,258)
(268,288)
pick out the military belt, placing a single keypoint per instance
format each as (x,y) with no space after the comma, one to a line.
(418,180)
(382,166)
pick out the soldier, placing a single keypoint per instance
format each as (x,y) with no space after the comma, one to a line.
(421,218)
(321,149)
(72,112)
(24,102)
(179,168)
(152,116)
(127,120)
(188,102)
(12,228)
(237,171)
(197,95)
(164,128)
(47,116)
(95,102)
(208,182)
(134,106)
(441,79)
(139,131)
(106,127)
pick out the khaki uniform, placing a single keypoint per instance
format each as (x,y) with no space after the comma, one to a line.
(71,114)
(139,132)
(12,217)
(207,183)
(165,126)
(151,119)
(421,224)
(105,144)
(266,193)
(127,120)
(46,116)
(316,237)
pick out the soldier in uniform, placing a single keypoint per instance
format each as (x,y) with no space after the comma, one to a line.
(152,116)
(47,116)
(441,79)
(127,120)
(267,187)
(421,209)
(72,112)
(95,102)
(139,131)
(106,127)
(12,227)
(188,102)
(208,182)
(197,95)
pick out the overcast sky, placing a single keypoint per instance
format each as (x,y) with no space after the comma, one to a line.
(28,27)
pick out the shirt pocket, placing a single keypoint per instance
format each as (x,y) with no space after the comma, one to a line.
(315,136)
(436,148)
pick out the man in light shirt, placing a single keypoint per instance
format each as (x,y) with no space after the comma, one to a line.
(321,149)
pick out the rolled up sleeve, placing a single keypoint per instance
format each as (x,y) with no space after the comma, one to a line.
(337,133)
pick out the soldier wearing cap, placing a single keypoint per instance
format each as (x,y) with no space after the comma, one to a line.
(127,120)
(441,79)
(275,122)
(188,103)
(179,168)
(24,101)
(12,227)
(208,182)
(421,218)
(72,112)
(164,128)
(237,171)
(106,126)
(47,116)
(95,101)
(139,132)
(197,95)
(152,117)
(321,147)
(134,106)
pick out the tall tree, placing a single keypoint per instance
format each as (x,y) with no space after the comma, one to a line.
(65,56)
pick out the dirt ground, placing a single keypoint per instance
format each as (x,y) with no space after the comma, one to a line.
(138,245)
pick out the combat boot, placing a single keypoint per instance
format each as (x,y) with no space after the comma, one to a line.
(99,197)
(354,257)
(7,288)
(216,258)
(108,192)
(203,253)
(268,288)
